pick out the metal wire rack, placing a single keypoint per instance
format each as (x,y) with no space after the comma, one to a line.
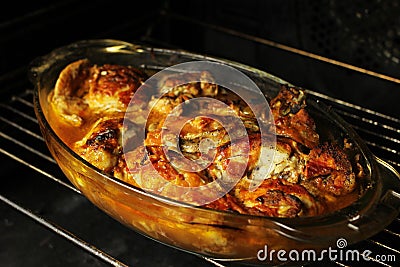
(23,146)
(22,142)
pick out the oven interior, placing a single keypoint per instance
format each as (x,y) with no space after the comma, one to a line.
(346,54)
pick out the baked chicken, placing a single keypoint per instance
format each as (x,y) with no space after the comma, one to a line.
(84,89)
(308,176)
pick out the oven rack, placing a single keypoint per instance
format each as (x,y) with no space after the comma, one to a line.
(22,142)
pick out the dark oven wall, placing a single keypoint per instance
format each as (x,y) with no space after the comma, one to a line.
(365,34)
(31,29)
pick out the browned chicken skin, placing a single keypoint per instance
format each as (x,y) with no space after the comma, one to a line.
(330,170)
(299,183)
(291,118)
(102,145)
(83,89)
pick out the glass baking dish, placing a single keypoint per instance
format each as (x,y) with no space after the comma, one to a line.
(211,233)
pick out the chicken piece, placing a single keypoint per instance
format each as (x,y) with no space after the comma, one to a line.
(285,164)
(197,137)
(188,84)
(111,87)
(66,98)
(291,119)
(174,90)
(330,170)
(191,147)
(199,129)
(102,145)
(277,198)
(152,171)
(176,175)
(83,89)
(177,88)
(248,152)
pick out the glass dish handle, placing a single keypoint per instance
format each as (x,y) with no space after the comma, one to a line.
(388,207)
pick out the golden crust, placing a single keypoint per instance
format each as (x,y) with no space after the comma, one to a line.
(291,118)
(84,88)
(305,173)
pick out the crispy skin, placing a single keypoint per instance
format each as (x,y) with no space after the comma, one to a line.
(169,173)
(83,89)
(101,146)
(291,118)
(305,174)
(189,85)
(175,89)
(277,198)
(113,86)
(223,157)
(330,170)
